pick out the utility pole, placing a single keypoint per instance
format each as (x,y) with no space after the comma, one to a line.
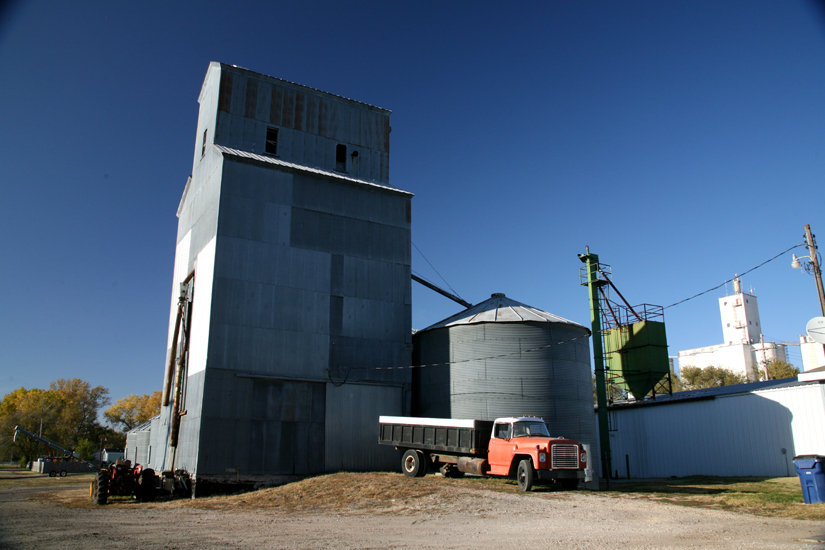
(817,272)
(593,283)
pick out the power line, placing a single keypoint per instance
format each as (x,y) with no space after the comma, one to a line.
(489,357)
(731,279)
(454,291)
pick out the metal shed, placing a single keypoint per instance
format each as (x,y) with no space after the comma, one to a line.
(744,430)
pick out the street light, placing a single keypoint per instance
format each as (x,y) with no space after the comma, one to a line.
(812,265)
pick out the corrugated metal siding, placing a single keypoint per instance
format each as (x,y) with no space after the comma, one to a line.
(734,435)
(352,426)
(507,369)
(260,426)
(137,447)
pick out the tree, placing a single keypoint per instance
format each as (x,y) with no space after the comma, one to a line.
(695,378)
(35,410)
(81,403)
(778,369)
(133,410)
(675,382)
(66,414)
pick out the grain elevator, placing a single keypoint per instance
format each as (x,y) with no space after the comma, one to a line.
(291,289)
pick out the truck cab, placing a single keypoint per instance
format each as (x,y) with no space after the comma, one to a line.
(523,447)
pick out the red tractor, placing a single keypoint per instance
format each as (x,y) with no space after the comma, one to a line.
(121,479)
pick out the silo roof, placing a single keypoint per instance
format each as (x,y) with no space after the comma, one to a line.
(501,309)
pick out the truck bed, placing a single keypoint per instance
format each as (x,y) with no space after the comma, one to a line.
(449,435)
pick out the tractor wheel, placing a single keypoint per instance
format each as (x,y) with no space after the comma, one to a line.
(146,485)
(414,464)
(52,473)
(525,475)
(99,490)
(63,473)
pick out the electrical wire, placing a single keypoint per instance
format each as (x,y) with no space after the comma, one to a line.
(436,271)
(570,340)
(731,279)
(487,358)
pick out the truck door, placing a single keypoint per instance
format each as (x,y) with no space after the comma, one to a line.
(500,450)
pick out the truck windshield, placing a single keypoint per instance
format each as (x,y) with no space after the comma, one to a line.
(530,429)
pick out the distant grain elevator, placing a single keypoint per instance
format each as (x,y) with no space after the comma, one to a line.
(291,288)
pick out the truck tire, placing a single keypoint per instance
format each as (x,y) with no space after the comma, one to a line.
(525,475)
(413,463)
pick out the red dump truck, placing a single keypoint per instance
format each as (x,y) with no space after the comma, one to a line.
(519,447)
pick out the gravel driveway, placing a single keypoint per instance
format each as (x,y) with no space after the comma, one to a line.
(469,519)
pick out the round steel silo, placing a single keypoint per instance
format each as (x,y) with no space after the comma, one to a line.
(504,358)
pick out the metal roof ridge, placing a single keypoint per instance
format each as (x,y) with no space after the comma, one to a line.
(304,168)
(494,308)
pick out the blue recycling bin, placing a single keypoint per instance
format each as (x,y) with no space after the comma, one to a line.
(811,476)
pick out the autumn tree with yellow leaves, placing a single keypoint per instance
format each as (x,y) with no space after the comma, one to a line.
(133,410)
(65,414)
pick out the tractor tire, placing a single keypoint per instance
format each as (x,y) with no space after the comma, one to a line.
(99,490)
(146,485)
(63,473)
(525,475)
(414,464)
(52,473)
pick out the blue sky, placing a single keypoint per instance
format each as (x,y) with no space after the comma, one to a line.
(683,141)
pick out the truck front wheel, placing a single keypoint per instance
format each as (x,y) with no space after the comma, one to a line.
(525,475)
(413,463)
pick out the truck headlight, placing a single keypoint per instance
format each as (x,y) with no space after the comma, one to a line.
(583,457)
(542,457)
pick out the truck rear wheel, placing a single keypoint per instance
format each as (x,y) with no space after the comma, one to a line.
(525,475)
(413,463)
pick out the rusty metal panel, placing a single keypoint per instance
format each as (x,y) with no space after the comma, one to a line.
(288,112)
(251,104)
(276,104)
(225,97)
(300,108)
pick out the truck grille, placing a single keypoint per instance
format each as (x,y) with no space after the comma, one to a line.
(565,456)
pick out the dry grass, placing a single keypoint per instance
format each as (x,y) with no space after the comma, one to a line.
(342,492)
(381,492)
(14,476)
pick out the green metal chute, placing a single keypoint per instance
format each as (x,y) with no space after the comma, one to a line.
(636,356)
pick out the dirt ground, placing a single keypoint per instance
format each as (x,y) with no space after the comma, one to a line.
(434,513)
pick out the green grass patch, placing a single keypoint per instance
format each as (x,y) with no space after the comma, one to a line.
(774,497)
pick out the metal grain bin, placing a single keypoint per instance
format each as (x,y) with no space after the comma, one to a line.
(504,358)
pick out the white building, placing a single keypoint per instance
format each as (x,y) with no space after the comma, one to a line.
(743,430)
(813,353)
(744,350)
